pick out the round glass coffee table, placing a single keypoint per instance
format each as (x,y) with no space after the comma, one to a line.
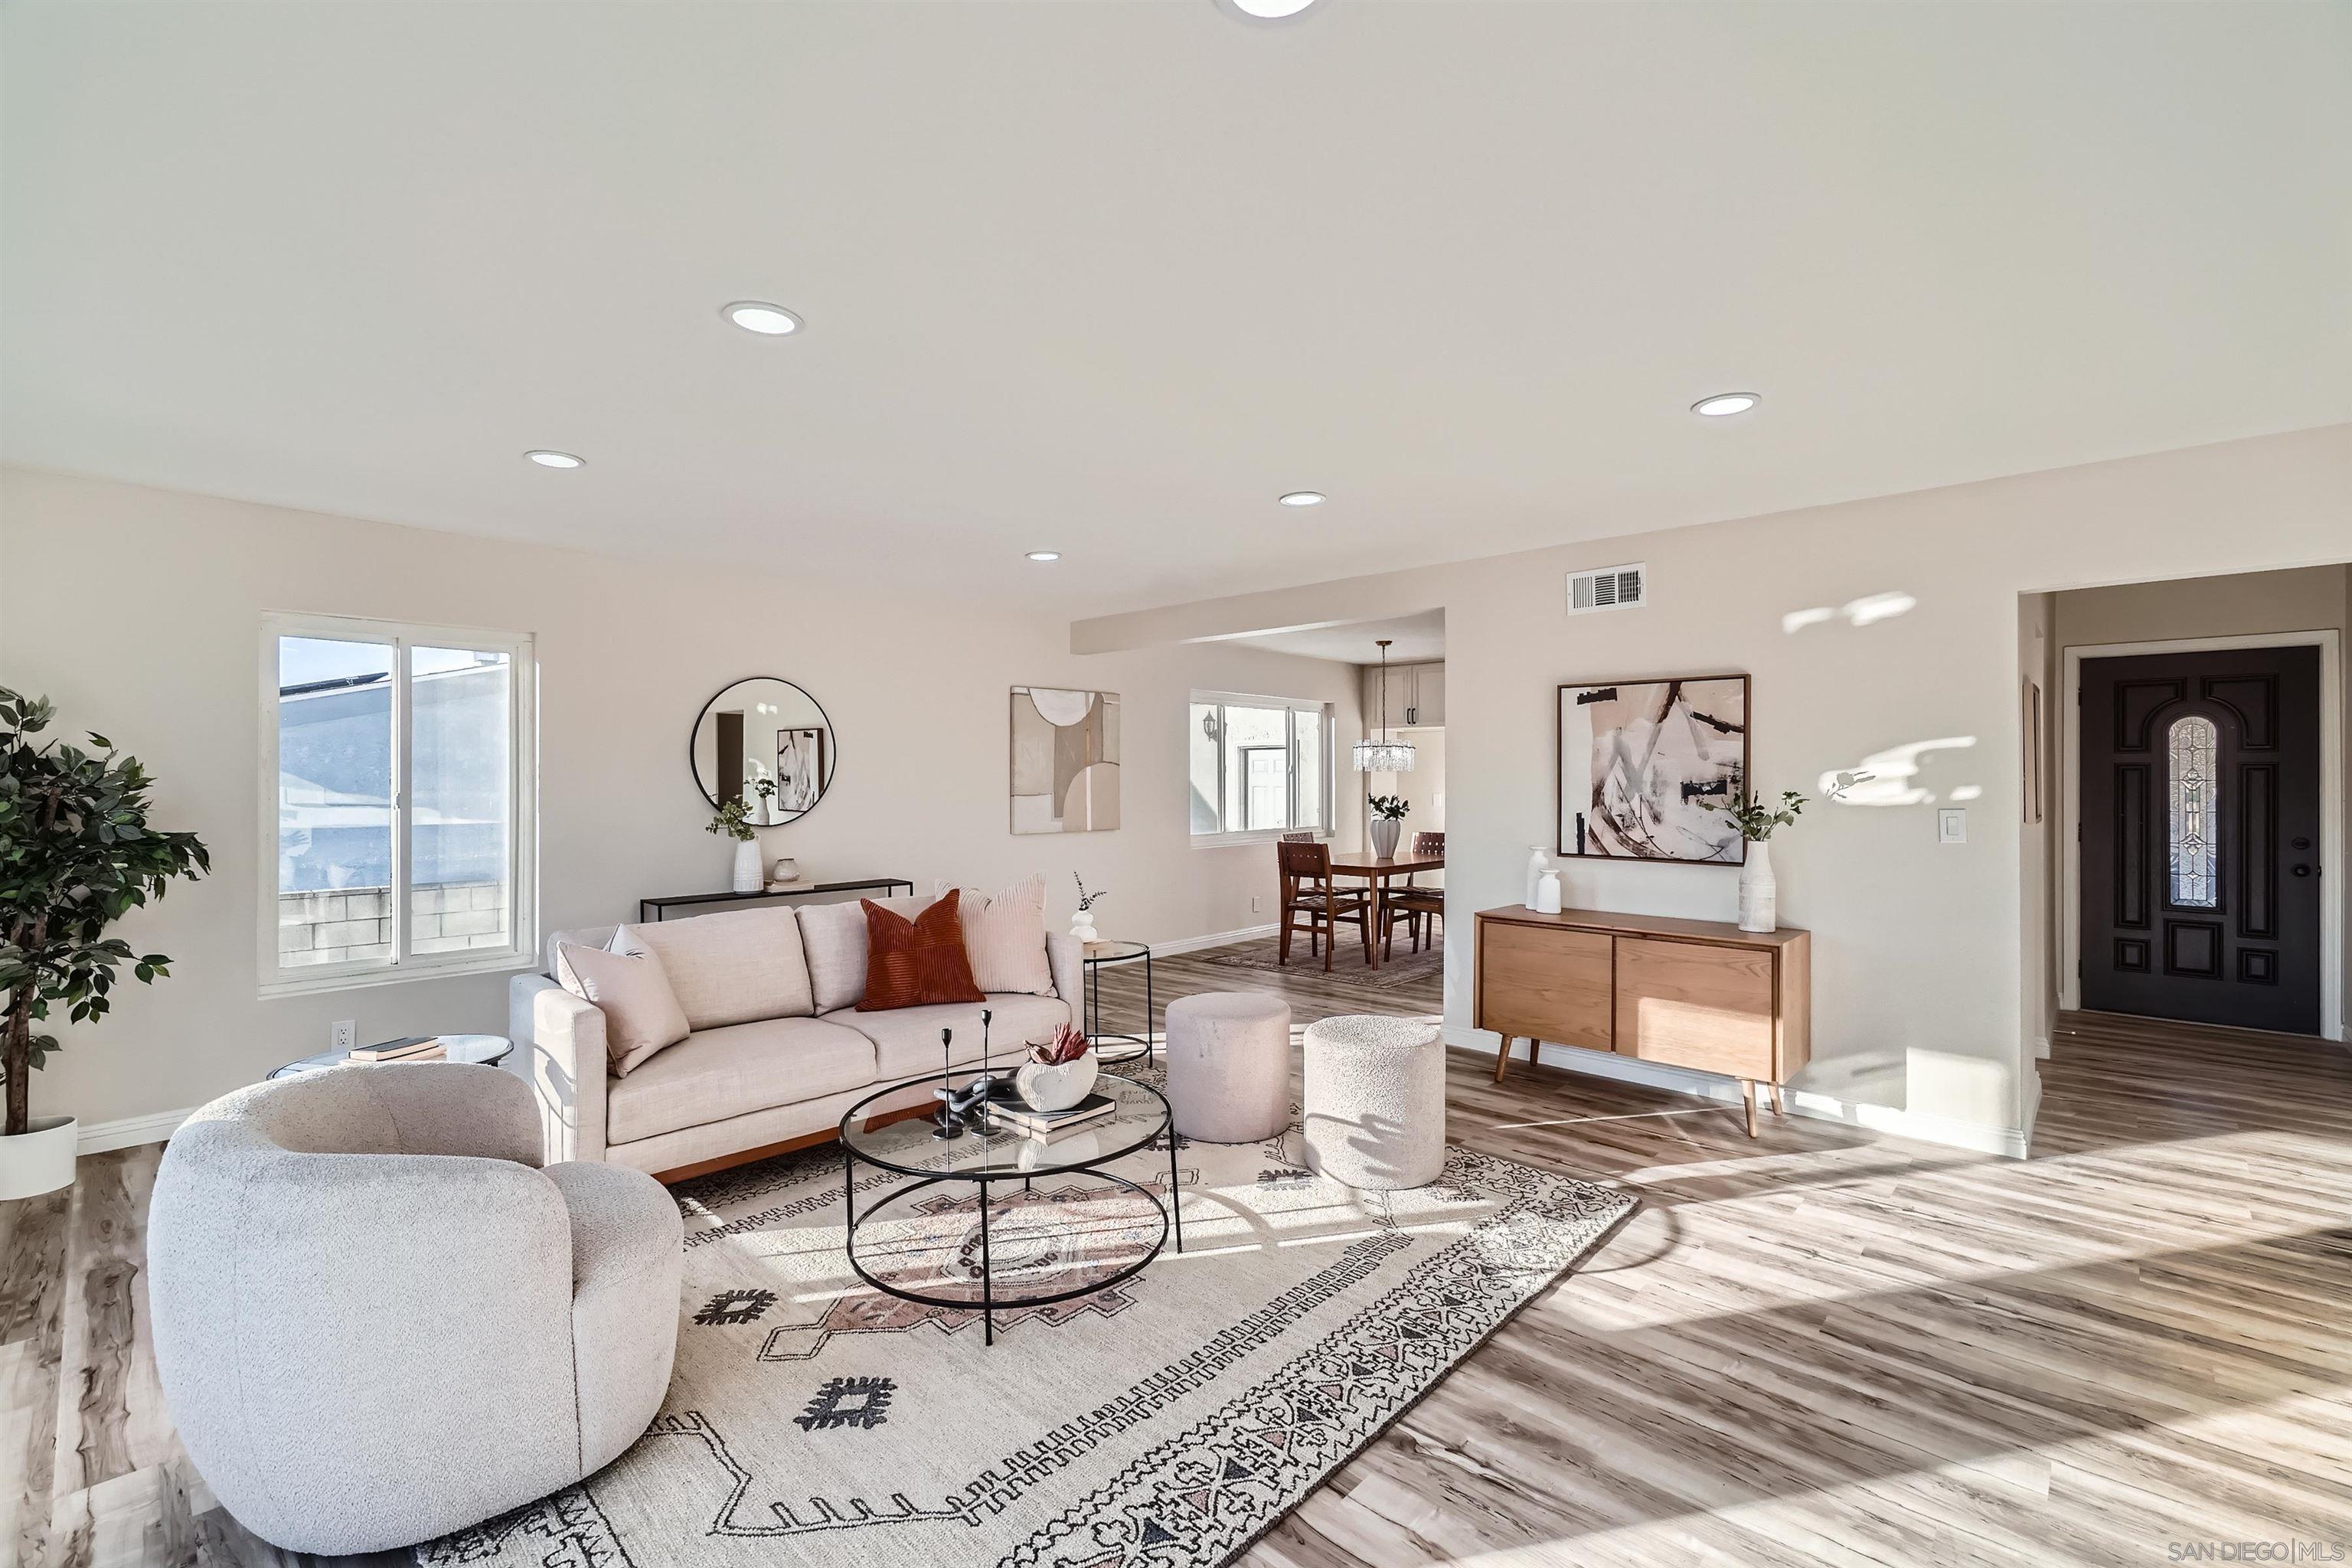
(952,1235)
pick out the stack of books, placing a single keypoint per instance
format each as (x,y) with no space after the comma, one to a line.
(1028,1123)
(411,1049)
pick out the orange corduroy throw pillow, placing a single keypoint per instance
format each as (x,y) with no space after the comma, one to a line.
(913,963)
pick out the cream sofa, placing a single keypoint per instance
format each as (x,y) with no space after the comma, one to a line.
(778,1051)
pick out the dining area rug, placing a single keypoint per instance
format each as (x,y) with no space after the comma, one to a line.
(1402,970)
(1167,1419)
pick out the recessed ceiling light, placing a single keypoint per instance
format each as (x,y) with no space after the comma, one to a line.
(1045,555)
(1265,10)
(756,316)
(547,459)
(1725,403)
(1303,498)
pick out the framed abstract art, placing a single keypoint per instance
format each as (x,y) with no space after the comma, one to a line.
(1065,759)
(1641,763)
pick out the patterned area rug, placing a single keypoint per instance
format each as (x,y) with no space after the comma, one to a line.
(1403,971)
(1166,1421)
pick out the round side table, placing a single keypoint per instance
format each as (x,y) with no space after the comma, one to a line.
(1101,953)
(482,1050)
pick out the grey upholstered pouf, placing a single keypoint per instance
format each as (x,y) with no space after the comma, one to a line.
(1229,1066)
(1375,1101)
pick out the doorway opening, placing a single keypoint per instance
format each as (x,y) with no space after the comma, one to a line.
(2200,823)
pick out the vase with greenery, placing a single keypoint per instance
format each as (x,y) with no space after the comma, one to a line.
(734,820)
(1388,822)
(1755,822)
(77,853)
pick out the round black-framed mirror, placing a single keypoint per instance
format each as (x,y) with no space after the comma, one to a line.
(764,741)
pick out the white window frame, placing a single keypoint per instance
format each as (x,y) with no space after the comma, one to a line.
(1295,705)
(522,839)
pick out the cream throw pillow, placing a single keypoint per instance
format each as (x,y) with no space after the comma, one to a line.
(641,1010)
(732,968)
(1005,937)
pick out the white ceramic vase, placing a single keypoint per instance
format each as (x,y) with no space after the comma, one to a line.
(1055,1088)
(1759,895)
(40,1161)
(1539,862)
(748,875)
(1082,926)
(1385,830)
(1548,893)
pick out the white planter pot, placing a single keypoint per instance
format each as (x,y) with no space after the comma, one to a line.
(40,1161)
(1759,895)
(749,879)
(1056,1088)
(1385,830)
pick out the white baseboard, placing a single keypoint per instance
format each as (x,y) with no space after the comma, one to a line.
(2010,1141)
(98,1137)
(1214,939)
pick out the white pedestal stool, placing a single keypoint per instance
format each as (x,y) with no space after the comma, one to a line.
(1229,1066)
(1375,1101)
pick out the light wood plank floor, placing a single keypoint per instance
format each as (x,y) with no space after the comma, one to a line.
(1822,1346)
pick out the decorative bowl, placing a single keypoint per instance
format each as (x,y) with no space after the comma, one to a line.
(1041,1087)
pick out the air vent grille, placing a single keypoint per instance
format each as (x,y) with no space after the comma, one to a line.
(1607,588)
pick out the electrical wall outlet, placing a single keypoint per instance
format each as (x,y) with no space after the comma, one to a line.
(344,1035)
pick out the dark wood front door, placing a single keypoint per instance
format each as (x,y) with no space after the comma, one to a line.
(2200,837)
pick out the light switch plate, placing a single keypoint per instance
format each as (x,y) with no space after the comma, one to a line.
(1952,825)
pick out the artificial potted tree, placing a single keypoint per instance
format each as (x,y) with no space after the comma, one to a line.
(76,856)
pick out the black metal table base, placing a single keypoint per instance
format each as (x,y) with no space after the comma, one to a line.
(1171,1220)
(1142,1042)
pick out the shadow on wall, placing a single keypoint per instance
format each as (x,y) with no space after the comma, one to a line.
(1892,777)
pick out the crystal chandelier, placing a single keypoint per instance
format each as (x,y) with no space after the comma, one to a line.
(1383,756)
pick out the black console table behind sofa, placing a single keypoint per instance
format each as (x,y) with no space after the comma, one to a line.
(820,892)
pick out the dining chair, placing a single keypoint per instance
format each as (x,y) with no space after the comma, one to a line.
(1307,889)
(1416,906)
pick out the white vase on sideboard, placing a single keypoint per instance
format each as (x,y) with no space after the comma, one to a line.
(1758,893)
(1539,862)
(749,877)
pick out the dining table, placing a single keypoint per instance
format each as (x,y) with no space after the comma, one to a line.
(1378,870)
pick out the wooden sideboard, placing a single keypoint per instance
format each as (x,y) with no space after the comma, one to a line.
(1686,993)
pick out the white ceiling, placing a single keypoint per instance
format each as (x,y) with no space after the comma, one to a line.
(1421,636)
(1107,278)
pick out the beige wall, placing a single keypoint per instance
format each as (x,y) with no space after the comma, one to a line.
(1918,971)
(139,611)
(2247,604)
